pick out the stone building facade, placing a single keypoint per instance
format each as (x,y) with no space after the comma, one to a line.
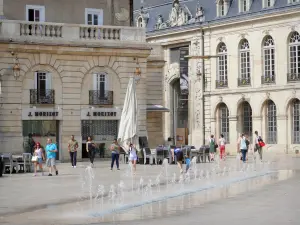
(72,80)
(243,69)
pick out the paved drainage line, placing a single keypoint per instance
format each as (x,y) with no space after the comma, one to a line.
(207,187)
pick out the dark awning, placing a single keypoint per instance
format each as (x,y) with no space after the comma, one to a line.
(156,108)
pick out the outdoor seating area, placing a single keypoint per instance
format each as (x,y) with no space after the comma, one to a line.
(16,163)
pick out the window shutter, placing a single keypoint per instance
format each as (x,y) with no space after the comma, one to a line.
(35,80)
(100,18)
(49,81)
(107,82)
(95,82)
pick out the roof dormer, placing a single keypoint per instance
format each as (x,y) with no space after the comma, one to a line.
(268,3)
(222,7)
(244,5)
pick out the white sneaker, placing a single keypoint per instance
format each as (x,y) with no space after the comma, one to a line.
(74,166)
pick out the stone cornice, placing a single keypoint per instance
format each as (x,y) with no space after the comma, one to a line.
(79,49)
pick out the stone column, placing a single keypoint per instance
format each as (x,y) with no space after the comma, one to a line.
(233,134)
(282,137)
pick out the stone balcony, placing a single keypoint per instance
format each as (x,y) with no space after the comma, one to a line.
(24,31)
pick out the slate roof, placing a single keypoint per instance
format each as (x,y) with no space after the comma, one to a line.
(163,7)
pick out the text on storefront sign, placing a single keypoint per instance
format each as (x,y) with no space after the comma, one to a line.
(43,114)
(103,114)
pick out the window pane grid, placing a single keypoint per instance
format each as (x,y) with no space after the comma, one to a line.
(271,123)
(269,58)
(295,53)
(296,122)
(224,122)
(245,60)
(222,63)
(247,119)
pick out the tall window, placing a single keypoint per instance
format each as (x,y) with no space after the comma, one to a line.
(271,122)
(94,16)
(222,63)
(247,119)
(269,59)
(224,121)
(294,47)
(100,84)
(244,5)
(35,13)
(221,8)
(245,60)
(296,121)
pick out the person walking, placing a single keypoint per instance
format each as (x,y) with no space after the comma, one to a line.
(51,150)
(212,147)
(90,148)
(222,143)
(72,148)
(38,151)
(132,156)
(115,153)
(242,146)
(257,145)
(179,157)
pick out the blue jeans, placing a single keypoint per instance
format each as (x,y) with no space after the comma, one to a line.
(244,153)
(73,156)
(114,157)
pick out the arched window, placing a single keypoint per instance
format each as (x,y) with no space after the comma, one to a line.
(224,121)
(222,80)
(101,95)
(140,22)
(296,121)
(247,119)
(268,60)
(271,122)
(294,60)
(245,69)
(222,8)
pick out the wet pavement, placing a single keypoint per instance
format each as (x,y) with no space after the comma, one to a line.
(261,194)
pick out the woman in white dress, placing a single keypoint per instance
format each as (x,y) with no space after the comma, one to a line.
(133,156)
(38,151)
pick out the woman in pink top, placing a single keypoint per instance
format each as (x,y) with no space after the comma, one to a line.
(38,151)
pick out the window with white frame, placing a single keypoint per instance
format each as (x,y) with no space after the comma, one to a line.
(271,122)
(100,84)
(296,121)
(293,1)
(244,5)
(43,87)
(35,13)
(94,16)
(222,63)
(268,3)
(220,8)
(269,58)
(224,121)
(294,48)
(245,60)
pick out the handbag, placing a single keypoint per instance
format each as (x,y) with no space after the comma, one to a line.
(261,143)
(34,159)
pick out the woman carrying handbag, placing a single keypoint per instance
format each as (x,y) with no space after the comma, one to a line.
(37,158)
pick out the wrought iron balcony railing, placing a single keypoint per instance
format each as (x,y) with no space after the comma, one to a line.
(268,79)
(244,82)
(221,83)
(101,97)
(42,96)
(293,77)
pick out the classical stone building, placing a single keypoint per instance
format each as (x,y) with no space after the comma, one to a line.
(242,73)
(63,73)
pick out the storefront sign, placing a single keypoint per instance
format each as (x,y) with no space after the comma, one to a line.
(42,114)
(108,114)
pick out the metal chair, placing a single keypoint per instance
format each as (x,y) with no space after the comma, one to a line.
(148,155)
(26,163)
(9,162)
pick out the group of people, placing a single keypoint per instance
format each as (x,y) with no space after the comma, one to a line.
(243,145)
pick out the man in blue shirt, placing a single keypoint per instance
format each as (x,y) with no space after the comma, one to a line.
(51,150)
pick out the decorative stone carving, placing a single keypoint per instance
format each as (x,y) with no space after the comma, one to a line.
(123,15)
(179,15)
(220,99)
(199,17)
(268,95)
(196,47)
(173,71)
(143,18)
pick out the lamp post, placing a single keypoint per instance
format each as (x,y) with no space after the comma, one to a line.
(199,73)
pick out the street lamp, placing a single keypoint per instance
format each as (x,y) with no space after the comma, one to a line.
(138,72)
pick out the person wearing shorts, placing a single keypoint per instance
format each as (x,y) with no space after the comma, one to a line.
(179,156)
(51,150)
(132,156)
(38,151)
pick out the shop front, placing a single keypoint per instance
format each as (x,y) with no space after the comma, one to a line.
(39,124)
(101,124)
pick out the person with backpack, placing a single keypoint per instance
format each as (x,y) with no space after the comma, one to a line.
(242,146)
(259,144)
